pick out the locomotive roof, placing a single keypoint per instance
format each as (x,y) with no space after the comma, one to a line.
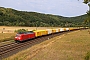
(28,32)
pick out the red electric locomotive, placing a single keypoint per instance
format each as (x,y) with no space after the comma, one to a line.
(24,36)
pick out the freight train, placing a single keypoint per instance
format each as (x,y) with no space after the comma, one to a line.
(33,34)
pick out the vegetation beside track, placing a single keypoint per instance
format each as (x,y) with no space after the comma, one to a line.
(7,36)
(70,46)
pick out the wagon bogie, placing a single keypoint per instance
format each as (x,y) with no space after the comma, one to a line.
(53,30)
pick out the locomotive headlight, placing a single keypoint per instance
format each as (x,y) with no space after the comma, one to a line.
(15,37)
(19,38)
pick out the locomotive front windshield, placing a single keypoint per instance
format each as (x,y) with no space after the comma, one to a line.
(17,35)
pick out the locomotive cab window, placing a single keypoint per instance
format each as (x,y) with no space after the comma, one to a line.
(17,35)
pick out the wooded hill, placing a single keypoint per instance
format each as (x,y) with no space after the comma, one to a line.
(11,17)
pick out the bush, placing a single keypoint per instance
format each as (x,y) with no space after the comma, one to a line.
(21,30)
(87,57)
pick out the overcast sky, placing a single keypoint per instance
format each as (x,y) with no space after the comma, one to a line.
(67,8)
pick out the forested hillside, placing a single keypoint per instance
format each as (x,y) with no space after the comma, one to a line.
(11,17)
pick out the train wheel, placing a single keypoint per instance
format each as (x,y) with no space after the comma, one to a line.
(17,41)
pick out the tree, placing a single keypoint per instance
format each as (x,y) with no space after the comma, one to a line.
(11,17)
(88,12)
(1,13)
(86,1)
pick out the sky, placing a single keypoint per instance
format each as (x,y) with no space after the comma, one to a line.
(66,8)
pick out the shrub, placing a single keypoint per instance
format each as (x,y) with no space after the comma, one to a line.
(21,30)
(87,57)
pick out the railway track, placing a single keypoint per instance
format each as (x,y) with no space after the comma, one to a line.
(12,48)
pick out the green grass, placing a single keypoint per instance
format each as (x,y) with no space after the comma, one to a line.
(87,57)
(70,46)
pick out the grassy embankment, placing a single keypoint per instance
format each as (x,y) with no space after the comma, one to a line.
(70,46)
(6,36)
